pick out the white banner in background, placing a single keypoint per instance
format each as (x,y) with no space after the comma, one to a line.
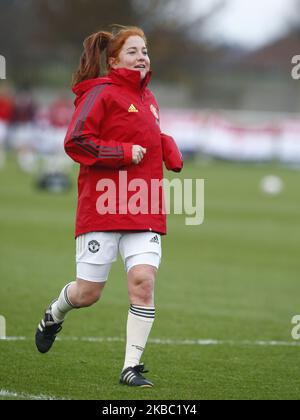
(208,133)
(289,144)
(228,141)
(188,127)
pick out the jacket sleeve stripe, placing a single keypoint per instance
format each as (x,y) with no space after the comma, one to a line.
(111,157)
(89,102)
(78,128)
(87,145)
(91,97)
(79,123)
(94,153)
(102,149)
(87,150)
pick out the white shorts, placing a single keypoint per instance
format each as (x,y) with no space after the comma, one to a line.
(96,251)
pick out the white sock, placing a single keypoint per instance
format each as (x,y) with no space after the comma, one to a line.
(62,305)
(139,324)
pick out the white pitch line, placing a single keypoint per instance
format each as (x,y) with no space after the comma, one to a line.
(171,342)
(23,396)
(13,339)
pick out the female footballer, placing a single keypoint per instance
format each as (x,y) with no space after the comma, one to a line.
(115,137)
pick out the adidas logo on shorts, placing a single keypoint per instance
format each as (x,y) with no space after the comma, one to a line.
(155,239)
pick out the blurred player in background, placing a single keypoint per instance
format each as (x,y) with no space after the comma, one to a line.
(115,128)
(23,133)
(6,115)
(51,125)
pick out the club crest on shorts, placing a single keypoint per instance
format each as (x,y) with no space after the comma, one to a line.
(94,246)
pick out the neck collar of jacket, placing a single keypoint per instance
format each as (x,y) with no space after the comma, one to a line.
(129,78)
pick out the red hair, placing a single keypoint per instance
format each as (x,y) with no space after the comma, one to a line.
(99,47)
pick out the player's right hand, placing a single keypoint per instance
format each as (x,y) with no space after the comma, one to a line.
(138,153)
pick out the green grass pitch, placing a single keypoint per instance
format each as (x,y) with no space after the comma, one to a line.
(234,279)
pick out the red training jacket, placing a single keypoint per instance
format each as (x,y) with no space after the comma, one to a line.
(112,114)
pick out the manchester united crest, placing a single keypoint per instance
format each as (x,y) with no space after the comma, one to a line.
(94,246)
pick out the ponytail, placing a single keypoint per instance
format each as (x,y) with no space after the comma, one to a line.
(99,47)
(90,60)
